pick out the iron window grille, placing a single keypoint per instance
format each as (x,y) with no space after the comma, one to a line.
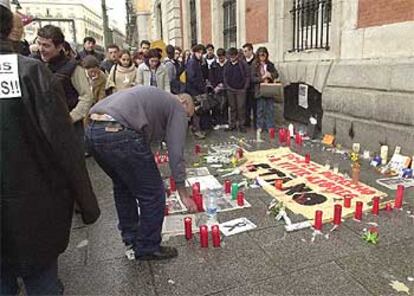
(230,24)
(311,24)
(193,22)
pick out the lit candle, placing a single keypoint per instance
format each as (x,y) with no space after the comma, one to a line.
(215,235)
(271,133)
(196,188)
(281,135)
(298,139)
(375,205)
(318,220)
(347,202)
(338,215)
(198,200)
(288,137)
(172,184)
(358,210)
(197,149)
(240,199)
(203,236)
(227,187)
(399,196)
(307,158)
(188,228)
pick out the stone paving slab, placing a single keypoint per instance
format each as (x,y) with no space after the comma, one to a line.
(294,251)
(327,279)
(113,277)
(75,255)
(377,267)
(203,271)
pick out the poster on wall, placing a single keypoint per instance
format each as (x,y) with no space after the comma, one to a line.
(303,96)
(307,187)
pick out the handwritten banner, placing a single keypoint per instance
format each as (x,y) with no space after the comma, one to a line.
(307,187)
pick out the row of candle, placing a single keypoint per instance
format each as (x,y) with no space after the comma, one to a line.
(358,208)
(215,233)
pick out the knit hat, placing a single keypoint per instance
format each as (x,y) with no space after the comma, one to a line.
(90,62)
(5,3)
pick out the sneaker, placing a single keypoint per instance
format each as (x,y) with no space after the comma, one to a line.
(199,135)
(163,254)
(216,127)
(130,253)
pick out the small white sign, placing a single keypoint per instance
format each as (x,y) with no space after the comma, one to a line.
(9,77)
(236,226)
(303,96)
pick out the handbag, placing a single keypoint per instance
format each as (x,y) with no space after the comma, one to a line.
(270,90)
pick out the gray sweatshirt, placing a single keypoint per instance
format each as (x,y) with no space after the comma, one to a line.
(156,112)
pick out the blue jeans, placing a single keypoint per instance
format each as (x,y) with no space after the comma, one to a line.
(126,157)
(265,113)
(38,280)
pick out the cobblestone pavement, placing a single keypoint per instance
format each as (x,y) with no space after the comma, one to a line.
(266,261)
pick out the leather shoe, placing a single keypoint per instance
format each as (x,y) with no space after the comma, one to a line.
(163,254)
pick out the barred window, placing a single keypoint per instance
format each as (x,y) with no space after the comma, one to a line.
(311,24)
(193,22)
(230,24)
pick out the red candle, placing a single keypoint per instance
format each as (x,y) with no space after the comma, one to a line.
(298,139)
(239,153)
(166,211)
(198,199)
(240,199)
(281,135)
(288,137)
(338,215)
(279,184)
(388,207)
(399,196)
(172,184)
(307,158)
(197,149)
(375,205)
(188,228)
(318,220)
(196,188)
(227,187)
(271,133)
(215,235)
(347,202)
(203,236)
(358,210)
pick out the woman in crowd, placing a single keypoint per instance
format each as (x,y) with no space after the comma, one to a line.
(265,73)
(138,58)
(152,72)
(123,74)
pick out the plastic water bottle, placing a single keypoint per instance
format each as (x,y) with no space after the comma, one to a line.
(211,206)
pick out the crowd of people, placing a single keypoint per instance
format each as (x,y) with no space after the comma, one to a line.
(224,83)
(64,103)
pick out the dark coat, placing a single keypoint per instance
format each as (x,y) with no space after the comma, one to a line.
(42,169)
(237,76)
(196,84)
(256,79)
(99,56)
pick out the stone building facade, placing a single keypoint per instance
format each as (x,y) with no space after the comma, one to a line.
(362,68)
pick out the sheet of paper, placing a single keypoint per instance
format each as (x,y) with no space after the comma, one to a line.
(206,182)
(303,96)
(174,224)
(9,77)
(236,226)
(197,172)
(392,183)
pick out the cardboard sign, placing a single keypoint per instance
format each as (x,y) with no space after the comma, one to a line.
(328,139)
(307,187)
(9,77)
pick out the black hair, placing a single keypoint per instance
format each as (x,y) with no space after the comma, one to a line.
(248,45)
(232,51)
(6,22)
(112,46)
(198,47)
(90,39)
(210,46)
(221,52)
(145,42)
(52,32)
(170,51)
(154,53)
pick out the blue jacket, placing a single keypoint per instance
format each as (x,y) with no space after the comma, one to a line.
(196,84)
